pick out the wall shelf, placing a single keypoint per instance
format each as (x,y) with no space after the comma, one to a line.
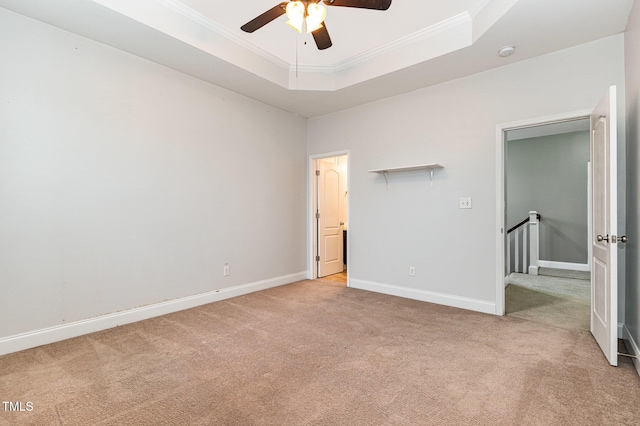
(428,167)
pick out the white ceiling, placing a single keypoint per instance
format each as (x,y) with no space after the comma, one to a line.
(375,54)
(372,28)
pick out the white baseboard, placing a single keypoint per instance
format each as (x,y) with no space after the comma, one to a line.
(57,333)
(564,265)
(632,345)
(426,296)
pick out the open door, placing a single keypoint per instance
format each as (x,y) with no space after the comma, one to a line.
(604,258)
(329,225)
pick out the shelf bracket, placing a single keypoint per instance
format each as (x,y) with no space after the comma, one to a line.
(431,174)
(386,178)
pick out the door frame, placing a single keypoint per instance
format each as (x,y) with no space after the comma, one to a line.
(501,208)
(312,203)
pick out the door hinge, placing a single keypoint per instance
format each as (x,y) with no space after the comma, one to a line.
(317,258)
(317,215)
(317,172)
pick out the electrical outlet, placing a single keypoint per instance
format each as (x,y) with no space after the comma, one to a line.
(225,270)
(465,202)
(412,271)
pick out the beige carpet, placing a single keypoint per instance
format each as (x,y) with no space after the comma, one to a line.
(317,353)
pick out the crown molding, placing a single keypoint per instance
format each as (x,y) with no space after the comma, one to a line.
(203,21)
(477,8)
(418,36)
(323,77)
(463,18)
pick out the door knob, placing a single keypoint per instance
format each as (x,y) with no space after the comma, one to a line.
(600,238)
(623,239)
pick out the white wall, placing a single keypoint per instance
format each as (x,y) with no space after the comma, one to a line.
(632,71)
(454,124)
(124,183)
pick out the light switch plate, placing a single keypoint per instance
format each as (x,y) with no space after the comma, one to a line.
(465,202)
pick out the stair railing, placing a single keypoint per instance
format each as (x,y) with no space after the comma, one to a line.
(525,238)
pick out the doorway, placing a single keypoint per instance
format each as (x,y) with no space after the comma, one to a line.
(542,127)
(329,217)
(547,260)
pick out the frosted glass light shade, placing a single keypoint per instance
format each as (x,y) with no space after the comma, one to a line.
(305,18)
(295,12)
(316,13)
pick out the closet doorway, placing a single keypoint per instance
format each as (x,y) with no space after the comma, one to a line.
(330,217)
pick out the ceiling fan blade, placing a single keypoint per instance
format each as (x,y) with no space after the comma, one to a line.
(362,4)
(321,36)
(265,18)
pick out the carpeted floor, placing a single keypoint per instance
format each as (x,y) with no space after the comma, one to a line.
(562,299)
(318,353)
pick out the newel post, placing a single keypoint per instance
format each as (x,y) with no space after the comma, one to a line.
(534,246)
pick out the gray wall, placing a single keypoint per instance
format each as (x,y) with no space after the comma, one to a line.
(124,183)
(549,174)
(632,68)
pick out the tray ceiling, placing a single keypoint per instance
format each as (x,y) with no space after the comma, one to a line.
(375,54)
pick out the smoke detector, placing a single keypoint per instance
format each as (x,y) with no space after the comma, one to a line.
(506,51)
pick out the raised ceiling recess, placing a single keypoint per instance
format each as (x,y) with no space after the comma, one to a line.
(374,54)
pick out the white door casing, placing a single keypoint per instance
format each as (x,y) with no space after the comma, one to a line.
(501,140)
(604,260)
(329,224)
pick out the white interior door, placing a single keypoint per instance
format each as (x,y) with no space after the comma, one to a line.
(604,256)
(329,224)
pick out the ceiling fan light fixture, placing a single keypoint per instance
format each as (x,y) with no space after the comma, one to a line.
(308,16)
(295,12)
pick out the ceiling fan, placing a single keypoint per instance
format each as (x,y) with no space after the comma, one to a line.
(308,16)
